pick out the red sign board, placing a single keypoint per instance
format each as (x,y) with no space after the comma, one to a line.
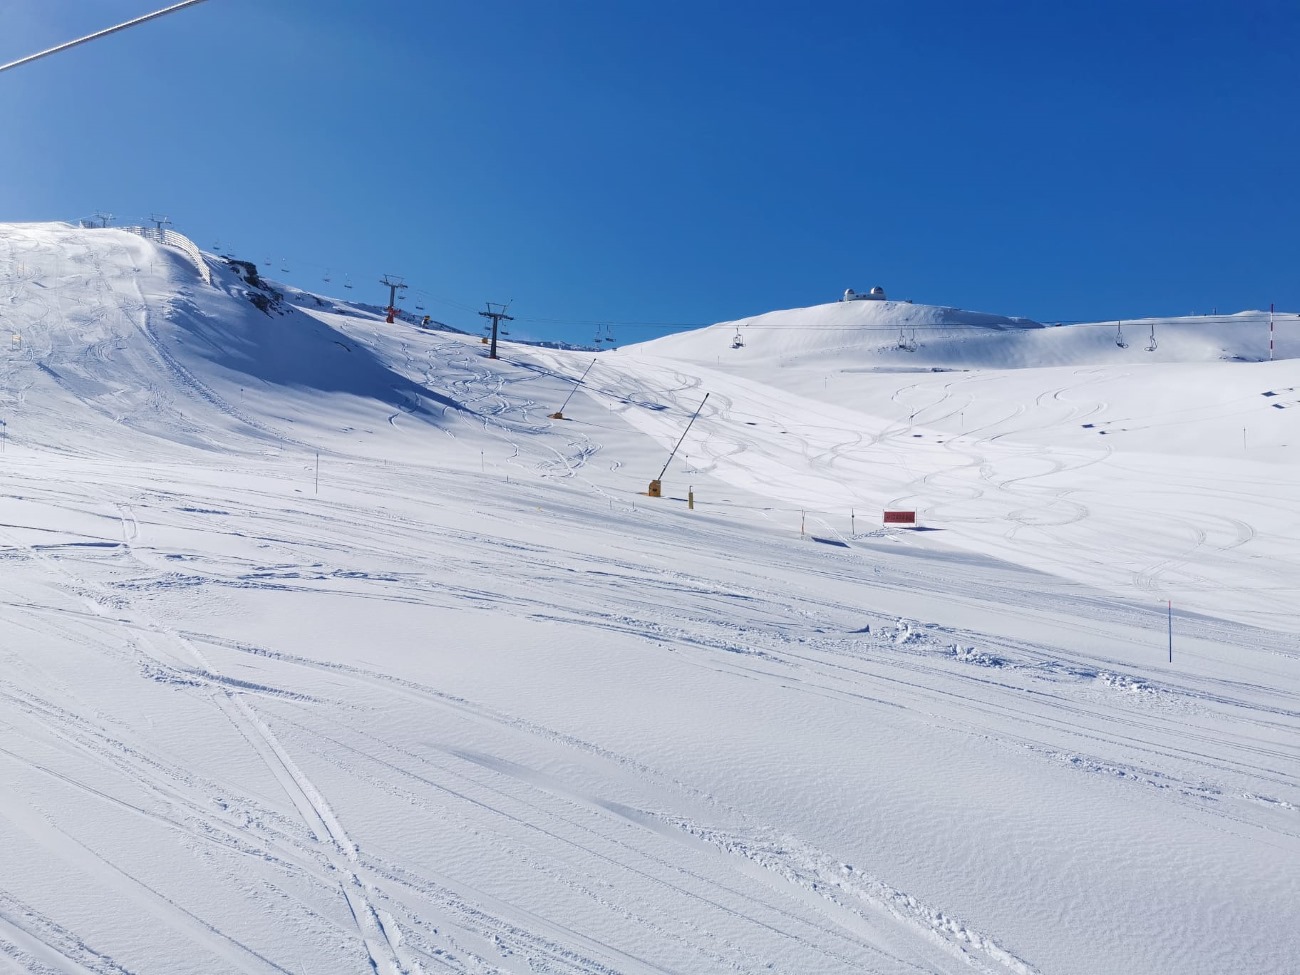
(900,517)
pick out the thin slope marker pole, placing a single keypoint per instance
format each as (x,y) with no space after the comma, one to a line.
(1171,630)
(1270,332)
(318,472)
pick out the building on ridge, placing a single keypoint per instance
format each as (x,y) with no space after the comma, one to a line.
(875,294)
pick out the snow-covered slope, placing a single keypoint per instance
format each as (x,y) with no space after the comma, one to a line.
(110,326)
(892,335)
(323,649)
(1167,472)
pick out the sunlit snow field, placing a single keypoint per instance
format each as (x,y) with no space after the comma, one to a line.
(323,648)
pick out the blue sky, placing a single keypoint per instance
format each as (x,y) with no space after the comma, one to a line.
(686,161)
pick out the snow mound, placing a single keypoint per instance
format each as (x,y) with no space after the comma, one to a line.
(842,326)
(892,336)
(104,326)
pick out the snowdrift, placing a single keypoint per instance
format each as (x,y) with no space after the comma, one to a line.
(126,330)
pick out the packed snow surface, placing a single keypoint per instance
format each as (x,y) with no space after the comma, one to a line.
(324,648)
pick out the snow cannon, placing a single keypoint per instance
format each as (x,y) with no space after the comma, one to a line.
(655,490)
(559,414)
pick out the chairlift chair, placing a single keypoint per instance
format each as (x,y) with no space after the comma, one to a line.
(1152,346)
(1119,335)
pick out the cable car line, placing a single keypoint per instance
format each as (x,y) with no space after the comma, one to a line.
(98,34)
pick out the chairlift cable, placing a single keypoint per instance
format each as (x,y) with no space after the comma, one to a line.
(98,34)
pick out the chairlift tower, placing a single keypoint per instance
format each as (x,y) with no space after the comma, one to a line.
(394,284)
(159,221)
(497,312)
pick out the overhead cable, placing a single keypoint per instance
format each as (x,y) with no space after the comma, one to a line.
(99,34)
